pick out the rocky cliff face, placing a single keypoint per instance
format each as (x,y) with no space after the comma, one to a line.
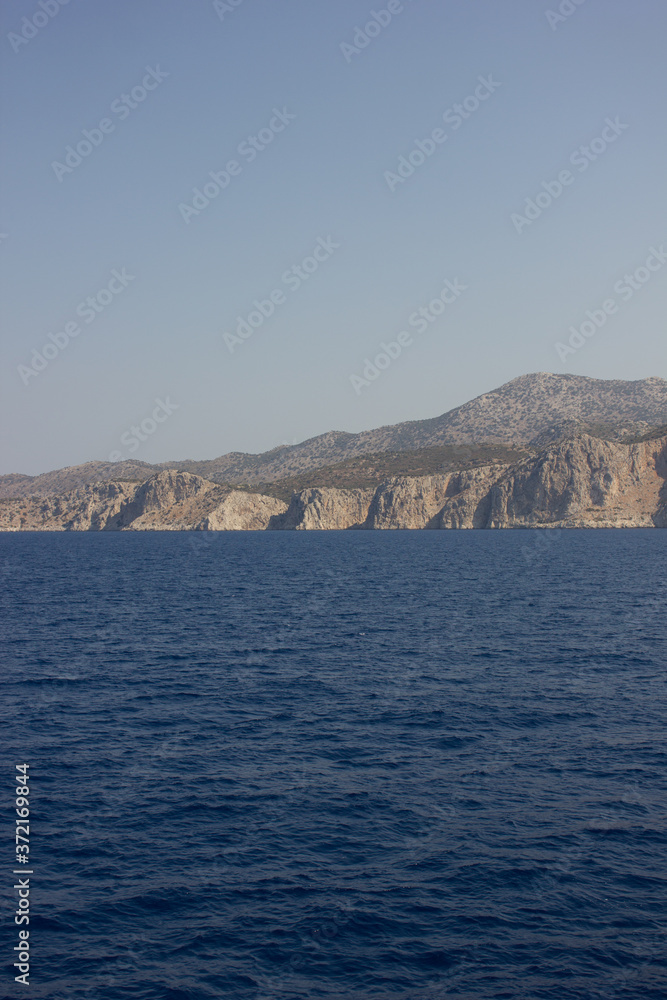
(169,501)
(584,482)
(327,509)
(243,512)
(87,509)
(581,483)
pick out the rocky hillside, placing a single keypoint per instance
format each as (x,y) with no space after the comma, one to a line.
(533,410)
(73,477)
(168,501)
(583,482)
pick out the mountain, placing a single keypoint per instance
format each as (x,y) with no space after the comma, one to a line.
(528,412)
(581,482)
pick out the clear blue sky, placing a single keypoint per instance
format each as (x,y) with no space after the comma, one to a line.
(218,77)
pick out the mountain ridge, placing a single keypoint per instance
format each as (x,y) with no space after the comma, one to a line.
(528,412)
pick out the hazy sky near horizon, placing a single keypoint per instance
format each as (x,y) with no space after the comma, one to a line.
(350,187)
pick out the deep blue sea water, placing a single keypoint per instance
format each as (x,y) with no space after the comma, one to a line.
(338,765)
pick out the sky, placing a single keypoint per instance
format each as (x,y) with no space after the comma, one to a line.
(217,215)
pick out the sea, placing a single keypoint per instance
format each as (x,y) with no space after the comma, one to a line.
(422,765)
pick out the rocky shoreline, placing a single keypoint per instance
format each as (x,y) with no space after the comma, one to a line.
(582,482)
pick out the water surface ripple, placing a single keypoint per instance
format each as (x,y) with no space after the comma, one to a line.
(351,765)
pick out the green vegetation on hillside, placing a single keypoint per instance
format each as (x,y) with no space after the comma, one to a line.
(655,432)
